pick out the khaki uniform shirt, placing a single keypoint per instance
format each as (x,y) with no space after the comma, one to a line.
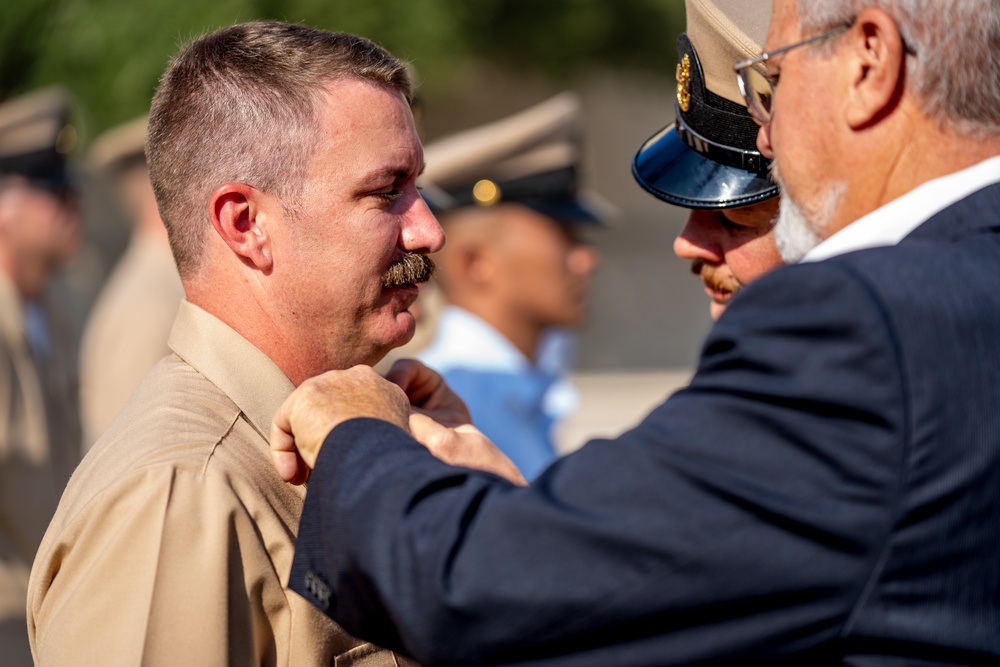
(33,471)
(174,539)
(126,333)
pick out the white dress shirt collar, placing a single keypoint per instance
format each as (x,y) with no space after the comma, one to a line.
(889,224)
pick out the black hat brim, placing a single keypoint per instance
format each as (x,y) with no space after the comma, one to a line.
(46,168)
(567,211)
(669,169)
(552,193)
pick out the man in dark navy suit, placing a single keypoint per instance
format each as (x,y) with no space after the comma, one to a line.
(824,492)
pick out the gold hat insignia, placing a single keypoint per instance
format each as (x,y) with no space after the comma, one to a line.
(684,83)
(485,192)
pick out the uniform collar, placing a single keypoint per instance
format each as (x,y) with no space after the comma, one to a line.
(232,363)
(466,340)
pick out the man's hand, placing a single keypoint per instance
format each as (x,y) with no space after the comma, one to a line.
(428,393)
(440,421)
(319,404)
(463,446)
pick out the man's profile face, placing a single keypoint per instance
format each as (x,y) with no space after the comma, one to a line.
(358,214)
(546,268)
(729,248)
(802,134)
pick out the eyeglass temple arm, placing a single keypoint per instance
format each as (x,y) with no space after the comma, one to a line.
(767,55)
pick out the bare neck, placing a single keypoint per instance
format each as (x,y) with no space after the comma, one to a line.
(236,305)
(899,161)
(520,332)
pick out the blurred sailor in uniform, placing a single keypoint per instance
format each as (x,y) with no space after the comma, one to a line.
(128,327)
(40,230)
(515,268)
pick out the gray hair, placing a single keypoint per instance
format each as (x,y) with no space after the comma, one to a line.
(240,105)
(954,69)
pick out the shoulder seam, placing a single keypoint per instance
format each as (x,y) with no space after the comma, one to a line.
(218,441)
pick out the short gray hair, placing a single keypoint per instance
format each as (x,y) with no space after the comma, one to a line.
(955,67)
(240,105)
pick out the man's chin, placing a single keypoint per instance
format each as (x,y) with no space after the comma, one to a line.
(801,227)
(401,335)
(405,327)
(715,309)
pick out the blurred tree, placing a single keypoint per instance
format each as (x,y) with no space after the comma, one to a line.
(24,36)
(111,53)
(560,37)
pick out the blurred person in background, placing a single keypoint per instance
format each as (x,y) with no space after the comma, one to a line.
(40,230)
(707,159)
(284,161)
(127,329)
(516,269)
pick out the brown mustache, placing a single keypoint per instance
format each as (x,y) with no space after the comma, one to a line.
(411,269)
(708,275)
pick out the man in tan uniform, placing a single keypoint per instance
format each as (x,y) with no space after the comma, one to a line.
(127,330)
(284,161)
(39,230)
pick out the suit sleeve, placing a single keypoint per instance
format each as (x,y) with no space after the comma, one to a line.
(160,570)
(743,517)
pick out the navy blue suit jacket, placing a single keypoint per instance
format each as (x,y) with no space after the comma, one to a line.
(826,491)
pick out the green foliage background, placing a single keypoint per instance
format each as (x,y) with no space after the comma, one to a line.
(110,53)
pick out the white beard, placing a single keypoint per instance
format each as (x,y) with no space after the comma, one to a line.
(792,233)
(799,229)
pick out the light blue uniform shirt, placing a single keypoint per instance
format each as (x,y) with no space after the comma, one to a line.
(512,401)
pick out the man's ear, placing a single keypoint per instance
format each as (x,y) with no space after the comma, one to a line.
(236,211)
(877,57)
